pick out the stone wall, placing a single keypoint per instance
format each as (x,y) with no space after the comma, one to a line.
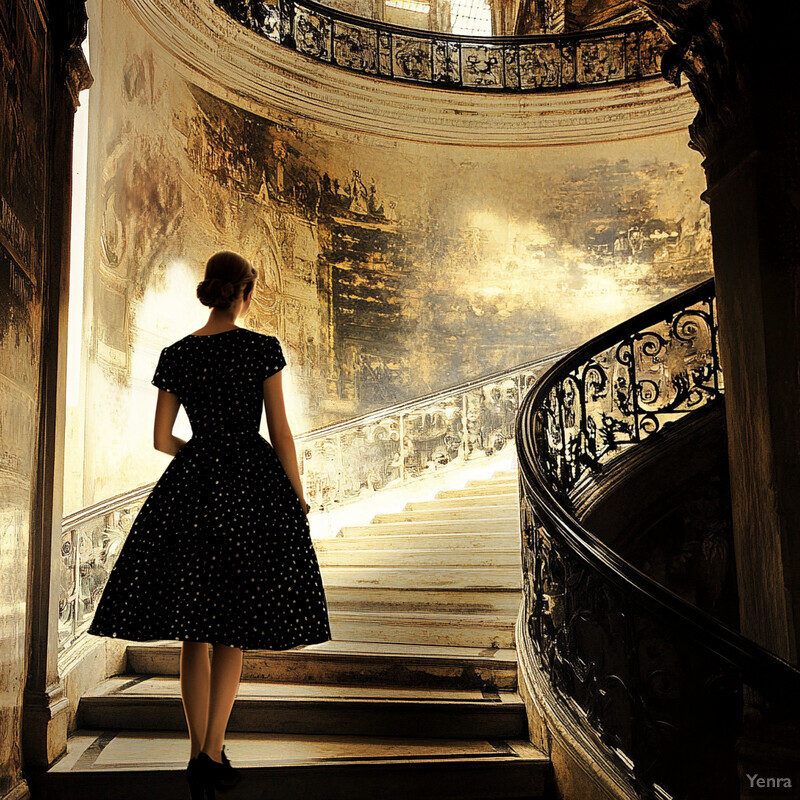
(23,145)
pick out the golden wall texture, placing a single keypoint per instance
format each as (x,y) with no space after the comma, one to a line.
(23,128)
(388,268)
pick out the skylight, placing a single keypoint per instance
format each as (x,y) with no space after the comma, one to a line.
(471,17)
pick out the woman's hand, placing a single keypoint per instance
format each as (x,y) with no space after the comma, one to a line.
(306,506)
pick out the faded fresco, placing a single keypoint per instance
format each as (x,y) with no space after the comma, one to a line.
(23,127)
(388,269)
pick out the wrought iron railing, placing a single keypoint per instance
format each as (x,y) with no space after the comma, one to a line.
(651,678)
(339,463)
(450,61)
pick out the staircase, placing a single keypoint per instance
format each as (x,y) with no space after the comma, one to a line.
(416,695)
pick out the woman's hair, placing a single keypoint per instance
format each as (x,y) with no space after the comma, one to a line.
(228,275)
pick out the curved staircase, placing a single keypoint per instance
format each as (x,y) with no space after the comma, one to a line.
(416,695)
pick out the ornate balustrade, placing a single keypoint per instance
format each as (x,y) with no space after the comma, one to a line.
(90,543)
(350,460)
(656,683)
(450,61)
(339,463)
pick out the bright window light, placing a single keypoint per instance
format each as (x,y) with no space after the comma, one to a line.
(409,5)
(471,17)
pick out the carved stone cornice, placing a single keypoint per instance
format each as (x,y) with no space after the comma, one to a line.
(68,22)
(211,50)
(713,48)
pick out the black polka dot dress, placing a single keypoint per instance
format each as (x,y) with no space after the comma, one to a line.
(221,550)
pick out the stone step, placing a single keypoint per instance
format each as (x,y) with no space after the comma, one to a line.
(510,512)
(477,542)
(490,501)
(458,630)
(460,526)
(450,601)
(134,764)
(479,492)
(154,703)
(502,484)
(506,473)
(348,663)
(423,557)
(476,579)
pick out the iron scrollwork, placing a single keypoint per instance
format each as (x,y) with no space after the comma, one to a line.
(482,63)
(665,706)
(628,391)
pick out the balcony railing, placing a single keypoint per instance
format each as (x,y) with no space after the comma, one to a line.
(450,61)
(339,464)
(657,683)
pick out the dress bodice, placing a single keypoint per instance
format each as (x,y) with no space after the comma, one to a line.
(219,378)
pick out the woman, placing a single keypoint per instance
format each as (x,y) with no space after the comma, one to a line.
(221,550)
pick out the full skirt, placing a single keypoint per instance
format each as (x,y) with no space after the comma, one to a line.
(220,552)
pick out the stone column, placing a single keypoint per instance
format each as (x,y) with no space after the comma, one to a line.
(739,66)
(44,727)
(739,61)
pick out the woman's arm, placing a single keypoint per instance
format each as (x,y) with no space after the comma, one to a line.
(167,406)
(279,433)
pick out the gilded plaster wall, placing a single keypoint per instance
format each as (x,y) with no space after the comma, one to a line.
(23,126)
(388,268)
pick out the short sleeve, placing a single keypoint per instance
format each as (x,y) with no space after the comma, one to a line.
(166,376)
(272,359)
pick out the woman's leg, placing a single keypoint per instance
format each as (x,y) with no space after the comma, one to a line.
(226,671)
(195,684)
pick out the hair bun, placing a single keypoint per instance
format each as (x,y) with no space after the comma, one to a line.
(231,275)
(215,293)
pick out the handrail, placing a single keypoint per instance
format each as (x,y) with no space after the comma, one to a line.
(379,49)
(634,379)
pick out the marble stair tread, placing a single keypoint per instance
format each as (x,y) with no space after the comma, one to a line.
(127,764)
(493,524)
(453,601)
(489,501)
(479,492)
(509,512)
(154,703)
(355,662)
(133,685)
(478,630)
(475,579)
(404,541)
(434,618)
(439,557)
(498,483)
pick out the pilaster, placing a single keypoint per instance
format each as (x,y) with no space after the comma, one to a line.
(44,727)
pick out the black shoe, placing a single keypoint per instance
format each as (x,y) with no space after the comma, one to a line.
(194,776)
(234,774)
(219,774)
